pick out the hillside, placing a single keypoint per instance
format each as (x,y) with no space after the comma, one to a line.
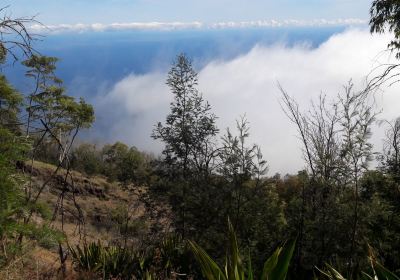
(105,207)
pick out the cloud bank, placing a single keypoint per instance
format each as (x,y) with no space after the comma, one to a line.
(165,26)
(248,85)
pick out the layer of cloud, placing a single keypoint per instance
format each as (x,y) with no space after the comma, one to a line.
(79,27)
(287,23)
(248,85)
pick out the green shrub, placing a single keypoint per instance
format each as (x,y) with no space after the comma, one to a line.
(275,268)
(376,272)
(109,262)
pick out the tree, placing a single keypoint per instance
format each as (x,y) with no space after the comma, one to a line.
(190,127)
(188,132)
(54,113)
(356,150)
(385,15)
(57,118)
(128,165)
(10,105)
(113,156)
(206,181)
(12,149)
(390,157)
(239,165)
(41,70)
(337,151)
(16,206)
(251,201)
(318,129)
(16,40)
(87,158)
(13,205)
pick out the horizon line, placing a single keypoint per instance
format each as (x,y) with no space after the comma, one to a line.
(177,25)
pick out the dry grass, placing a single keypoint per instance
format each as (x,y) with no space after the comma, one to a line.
(97,199)
(34,263)
(95,196)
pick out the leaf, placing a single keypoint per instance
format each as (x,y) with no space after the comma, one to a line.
(270,264)
(277,265)
(332,273)
(383,273)
(250,275)
(209,268)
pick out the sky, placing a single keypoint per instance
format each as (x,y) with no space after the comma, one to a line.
(116,54)
(52,12)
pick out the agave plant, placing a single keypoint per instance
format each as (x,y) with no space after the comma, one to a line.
(377,272)
(122,263)
(275,267)
(110,262)
(89,257)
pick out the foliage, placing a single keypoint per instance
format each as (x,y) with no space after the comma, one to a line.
(128,165)
(13,204)
(377,272)
(275,267)
(190,125)
(51,115)
(188,135)
(336,206)
(161,262)
(109,262)
(390,156)
(16,39)
(205,181)
(128,224)
(335,138)
(10,102)
(86,158)
(88,257)
(385,15)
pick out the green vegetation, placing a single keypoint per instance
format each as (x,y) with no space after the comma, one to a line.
(275,267)
(161,261)
(52,116)
(108,261)
(117,162)
(167,215)
(385,16)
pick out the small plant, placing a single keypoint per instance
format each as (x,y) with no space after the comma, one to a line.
(174,257)
(275,268)
(110,262)
(377,271)
(89,257)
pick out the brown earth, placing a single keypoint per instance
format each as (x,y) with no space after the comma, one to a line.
(98,200)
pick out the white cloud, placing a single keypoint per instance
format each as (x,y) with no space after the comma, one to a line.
(132,108)
(288,22)
(248,84)
(79,27)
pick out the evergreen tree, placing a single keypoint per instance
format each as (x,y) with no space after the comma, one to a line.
(188,133)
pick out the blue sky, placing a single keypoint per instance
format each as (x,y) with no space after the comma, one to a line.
(110,11)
